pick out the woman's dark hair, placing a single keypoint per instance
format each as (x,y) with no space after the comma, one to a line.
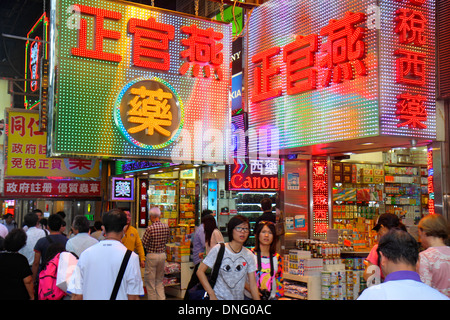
(258,230)
(266,204)
(209,224)
(399,246)
(15,240)
(30,219)
(55,222)
(235,221)
(114,220)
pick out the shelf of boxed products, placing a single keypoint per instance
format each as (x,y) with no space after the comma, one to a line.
(303,267)
(336,275)
(301,277)
(249,203)
(358,195)
(403,190)
(178,267)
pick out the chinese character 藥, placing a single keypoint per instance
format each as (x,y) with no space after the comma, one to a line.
(411,110)
(150,110)
(202,51)
(344,48)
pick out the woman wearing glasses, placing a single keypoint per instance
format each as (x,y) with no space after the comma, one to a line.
(237,265)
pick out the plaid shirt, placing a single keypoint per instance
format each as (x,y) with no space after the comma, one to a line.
(155,237)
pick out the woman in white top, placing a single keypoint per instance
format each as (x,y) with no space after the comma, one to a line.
(212,235)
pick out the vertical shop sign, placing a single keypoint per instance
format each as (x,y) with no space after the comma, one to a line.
(320,197)
(143,217)
(35,52)
(411,65)
(430,181)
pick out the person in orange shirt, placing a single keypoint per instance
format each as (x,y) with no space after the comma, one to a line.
(132,241)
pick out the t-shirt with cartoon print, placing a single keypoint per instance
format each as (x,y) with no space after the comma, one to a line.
(233,272)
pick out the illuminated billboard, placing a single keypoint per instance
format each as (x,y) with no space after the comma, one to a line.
(321,72)
(133,81)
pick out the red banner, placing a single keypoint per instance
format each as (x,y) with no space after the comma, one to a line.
(51,188)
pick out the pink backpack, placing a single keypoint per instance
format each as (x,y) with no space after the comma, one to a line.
(47,282)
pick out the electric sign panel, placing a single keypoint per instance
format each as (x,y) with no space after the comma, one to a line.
(321,72)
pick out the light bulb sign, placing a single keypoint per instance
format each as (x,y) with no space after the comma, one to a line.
(122,189)
(133,81)
(323,72)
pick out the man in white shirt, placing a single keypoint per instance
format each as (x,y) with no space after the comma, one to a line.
(82,240)
(98,266)
(3,231)
(398,252)
(33,235)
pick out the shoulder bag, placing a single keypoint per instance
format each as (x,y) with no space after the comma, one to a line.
(197,292)
(120,275)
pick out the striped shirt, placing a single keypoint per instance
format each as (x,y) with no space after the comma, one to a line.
(155,237)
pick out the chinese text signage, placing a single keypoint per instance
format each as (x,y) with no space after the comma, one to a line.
(322,73)
(320,197)
(122,189)
(27,152)
(136,81)
(28,188)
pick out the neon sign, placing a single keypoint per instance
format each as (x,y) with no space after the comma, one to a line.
(320,197)
(430,181)
(248,171)
(34,52)
(122,189)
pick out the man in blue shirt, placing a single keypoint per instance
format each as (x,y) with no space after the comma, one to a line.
(398,252)
(198,251)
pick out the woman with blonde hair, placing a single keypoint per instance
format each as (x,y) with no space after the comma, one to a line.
(434,262)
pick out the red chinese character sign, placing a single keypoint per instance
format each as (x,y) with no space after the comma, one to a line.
(356,70)
(407,45)
(138,81)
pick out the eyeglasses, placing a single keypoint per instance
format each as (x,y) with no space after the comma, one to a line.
(240,229)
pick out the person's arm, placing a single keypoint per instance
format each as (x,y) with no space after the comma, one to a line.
(28,282)
(77,296)
(204,281)
(253,287)
(140,251)
(35,266)
(133,297)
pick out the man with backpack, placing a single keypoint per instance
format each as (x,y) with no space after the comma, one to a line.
(40,249)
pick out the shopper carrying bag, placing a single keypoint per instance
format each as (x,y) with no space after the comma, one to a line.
(197,292)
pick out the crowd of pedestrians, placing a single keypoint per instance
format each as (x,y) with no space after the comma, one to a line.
(101,252)
(110,256)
